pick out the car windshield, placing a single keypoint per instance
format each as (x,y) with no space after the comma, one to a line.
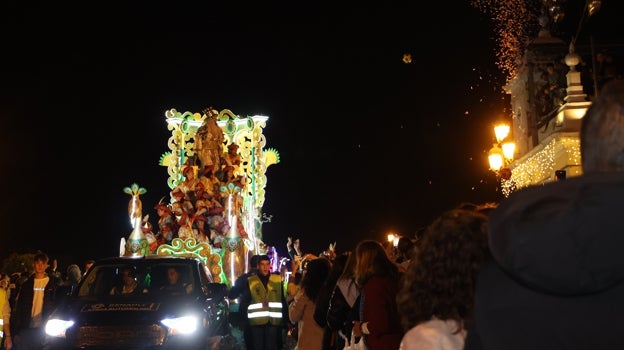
(132,278)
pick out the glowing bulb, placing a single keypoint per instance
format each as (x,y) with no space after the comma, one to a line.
(495,157)
(501,131)
(509,148)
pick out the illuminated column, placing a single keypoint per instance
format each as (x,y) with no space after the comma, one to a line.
(136,245)
(183,127)
(247,134)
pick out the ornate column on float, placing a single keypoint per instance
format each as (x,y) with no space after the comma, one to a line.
(247,134)
(183,127)
(249,199)
(136,245)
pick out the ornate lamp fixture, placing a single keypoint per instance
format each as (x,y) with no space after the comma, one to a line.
(502,152)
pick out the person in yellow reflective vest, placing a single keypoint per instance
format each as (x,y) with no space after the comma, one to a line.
(4,308)
(267,312)
(240,288)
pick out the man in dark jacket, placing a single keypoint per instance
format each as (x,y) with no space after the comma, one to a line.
(35,300)
(557,278)
(239,318)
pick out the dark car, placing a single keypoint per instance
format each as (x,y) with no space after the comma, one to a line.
(145,312)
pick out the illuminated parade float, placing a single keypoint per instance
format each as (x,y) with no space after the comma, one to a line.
(216,167)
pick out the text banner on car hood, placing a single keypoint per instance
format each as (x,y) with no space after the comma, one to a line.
(120,307)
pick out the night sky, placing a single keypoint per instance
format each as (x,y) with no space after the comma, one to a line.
(368,144)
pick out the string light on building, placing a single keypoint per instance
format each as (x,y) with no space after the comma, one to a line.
(542,162)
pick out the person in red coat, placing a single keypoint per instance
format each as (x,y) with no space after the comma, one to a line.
(379,280)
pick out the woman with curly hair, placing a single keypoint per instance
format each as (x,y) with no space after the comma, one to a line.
(437,293)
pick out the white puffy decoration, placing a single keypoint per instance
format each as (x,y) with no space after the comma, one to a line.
(122,247)
(249,244)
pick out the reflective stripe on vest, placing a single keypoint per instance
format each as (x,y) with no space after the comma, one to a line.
(3,299)
(266,303)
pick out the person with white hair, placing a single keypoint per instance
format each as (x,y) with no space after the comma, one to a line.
(73,276)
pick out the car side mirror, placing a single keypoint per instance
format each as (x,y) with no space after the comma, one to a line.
(215,290)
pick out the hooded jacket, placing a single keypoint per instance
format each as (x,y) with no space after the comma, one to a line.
(556,281)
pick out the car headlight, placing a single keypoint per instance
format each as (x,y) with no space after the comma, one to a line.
(181,325)
(56,327)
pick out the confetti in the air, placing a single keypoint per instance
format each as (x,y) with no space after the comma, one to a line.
(514,23)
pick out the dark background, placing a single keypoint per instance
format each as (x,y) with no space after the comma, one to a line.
(368,144)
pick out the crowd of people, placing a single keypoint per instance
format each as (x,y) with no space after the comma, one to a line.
(27,297)
(542,269)
(539,270)
(376,296)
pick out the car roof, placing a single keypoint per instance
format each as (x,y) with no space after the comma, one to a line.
(130,259)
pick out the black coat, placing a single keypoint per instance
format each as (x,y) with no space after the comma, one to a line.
(21,313)
(340,315)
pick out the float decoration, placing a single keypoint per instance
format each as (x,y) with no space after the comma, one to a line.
(190,247)
(137,242)
(216,167)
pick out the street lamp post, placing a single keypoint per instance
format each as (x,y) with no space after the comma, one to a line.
(501,155)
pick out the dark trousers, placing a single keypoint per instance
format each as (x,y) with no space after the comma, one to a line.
(247,336)
(29,339)
(266,337)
